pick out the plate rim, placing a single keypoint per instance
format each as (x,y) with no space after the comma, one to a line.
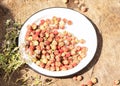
(67,70)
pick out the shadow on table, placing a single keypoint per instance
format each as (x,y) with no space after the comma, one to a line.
(5,14)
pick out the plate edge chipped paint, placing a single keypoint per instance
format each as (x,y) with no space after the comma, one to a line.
(87,32)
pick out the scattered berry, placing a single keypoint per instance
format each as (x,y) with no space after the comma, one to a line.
(79,78)
(83,85)
(65,1)
(76,1)
(94,80)
(90,83)
(75,78)
(116,82)
(83,8)
(69,22)
(82,41)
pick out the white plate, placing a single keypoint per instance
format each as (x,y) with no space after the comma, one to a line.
(81,28)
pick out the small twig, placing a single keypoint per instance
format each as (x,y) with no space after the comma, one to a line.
(51,82)
(92,71)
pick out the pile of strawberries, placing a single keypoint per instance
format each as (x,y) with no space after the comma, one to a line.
(51,46)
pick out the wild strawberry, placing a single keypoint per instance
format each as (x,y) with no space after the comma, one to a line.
(69,22)
(79,78)
(89,83)
(42,22)
(34,26)
(67,54)
(65,62)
